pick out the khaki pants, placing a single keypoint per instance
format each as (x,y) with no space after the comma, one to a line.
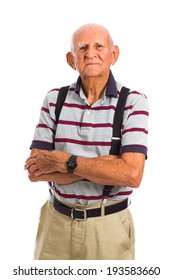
(108,237)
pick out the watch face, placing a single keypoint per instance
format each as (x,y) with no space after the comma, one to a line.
(71,164)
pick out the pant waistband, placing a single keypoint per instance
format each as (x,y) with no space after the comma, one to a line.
(83,214)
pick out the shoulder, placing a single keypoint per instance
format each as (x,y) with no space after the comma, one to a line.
(132,92)
(134,96)
(53,93)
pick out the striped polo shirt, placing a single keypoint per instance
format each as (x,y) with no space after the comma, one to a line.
(86,130)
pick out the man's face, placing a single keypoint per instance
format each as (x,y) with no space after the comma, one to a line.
(93,52)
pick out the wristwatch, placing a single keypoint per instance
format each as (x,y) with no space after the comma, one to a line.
(71,163)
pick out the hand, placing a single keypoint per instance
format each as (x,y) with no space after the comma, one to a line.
(32,177)
(47,162)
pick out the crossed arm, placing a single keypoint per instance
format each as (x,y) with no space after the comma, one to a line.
(50,166)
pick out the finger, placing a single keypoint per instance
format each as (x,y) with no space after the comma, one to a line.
(38,173)
(33,168)
(32,178)
(29,162)
(31,157)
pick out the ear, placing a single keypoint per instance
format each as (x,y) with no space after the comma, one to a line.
(115,54)
(70,60)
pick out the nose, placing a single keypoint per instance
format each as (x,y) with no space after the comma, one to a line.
(91,52)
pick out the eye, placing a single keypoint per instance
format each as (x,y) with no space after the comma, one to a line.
(99,46)
(83,48)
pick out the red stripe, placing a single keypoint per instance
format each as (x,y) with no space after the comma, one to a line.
(91,197)
(121,193)
(78,142)
(136,92)
(78,196)
(128,107)
(45,109)
(135,129)
(100,108)
(85,124)
(71,105)
(57,89)
(45,126)
(52,104)
(72,89)
(139,113)
(74,105)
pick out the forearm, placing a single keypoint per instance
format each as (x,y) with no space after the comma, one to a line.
(126,170)
(56,177)
(106,170)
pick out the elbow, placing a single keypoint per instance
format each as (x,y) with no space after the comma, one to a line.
(135,179)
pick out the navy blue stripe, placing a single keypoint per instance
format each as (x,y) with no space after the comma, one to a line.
(42,145)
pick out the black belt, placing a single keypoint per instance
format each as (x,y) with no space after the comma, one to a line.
(83,214)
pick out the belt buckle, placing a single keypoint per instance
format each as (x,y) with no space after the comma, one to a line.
(81,210)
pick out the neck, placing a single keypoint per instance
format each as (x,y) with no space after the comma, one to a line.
(93,87)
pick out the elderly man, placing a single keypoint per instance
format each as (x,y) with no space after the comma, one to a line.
(77,222)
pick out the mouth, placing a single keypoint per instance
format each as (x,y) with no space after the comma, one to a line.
(91,63)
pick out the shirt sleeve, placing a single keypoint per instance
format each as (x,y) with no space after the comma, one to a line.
(45,130)
(135,124)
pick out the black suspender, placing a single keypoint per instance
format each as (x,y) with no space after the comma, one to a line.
(116,134)
(117,123)
(60,101)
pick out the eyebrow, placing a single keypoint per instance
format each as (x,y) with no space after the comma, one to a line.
(81,44)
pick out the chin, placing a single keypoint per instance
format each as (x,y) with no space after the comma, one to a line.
(92,73)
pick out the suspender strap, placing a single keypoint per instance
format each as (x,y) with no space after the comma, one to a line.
(117,122)
(60,101)
(116,135)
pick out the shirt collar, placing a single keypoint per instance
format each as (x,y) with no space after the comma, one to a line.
(111,87)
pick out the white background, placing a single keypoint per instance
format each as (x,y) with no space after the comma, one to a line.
(34,38)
